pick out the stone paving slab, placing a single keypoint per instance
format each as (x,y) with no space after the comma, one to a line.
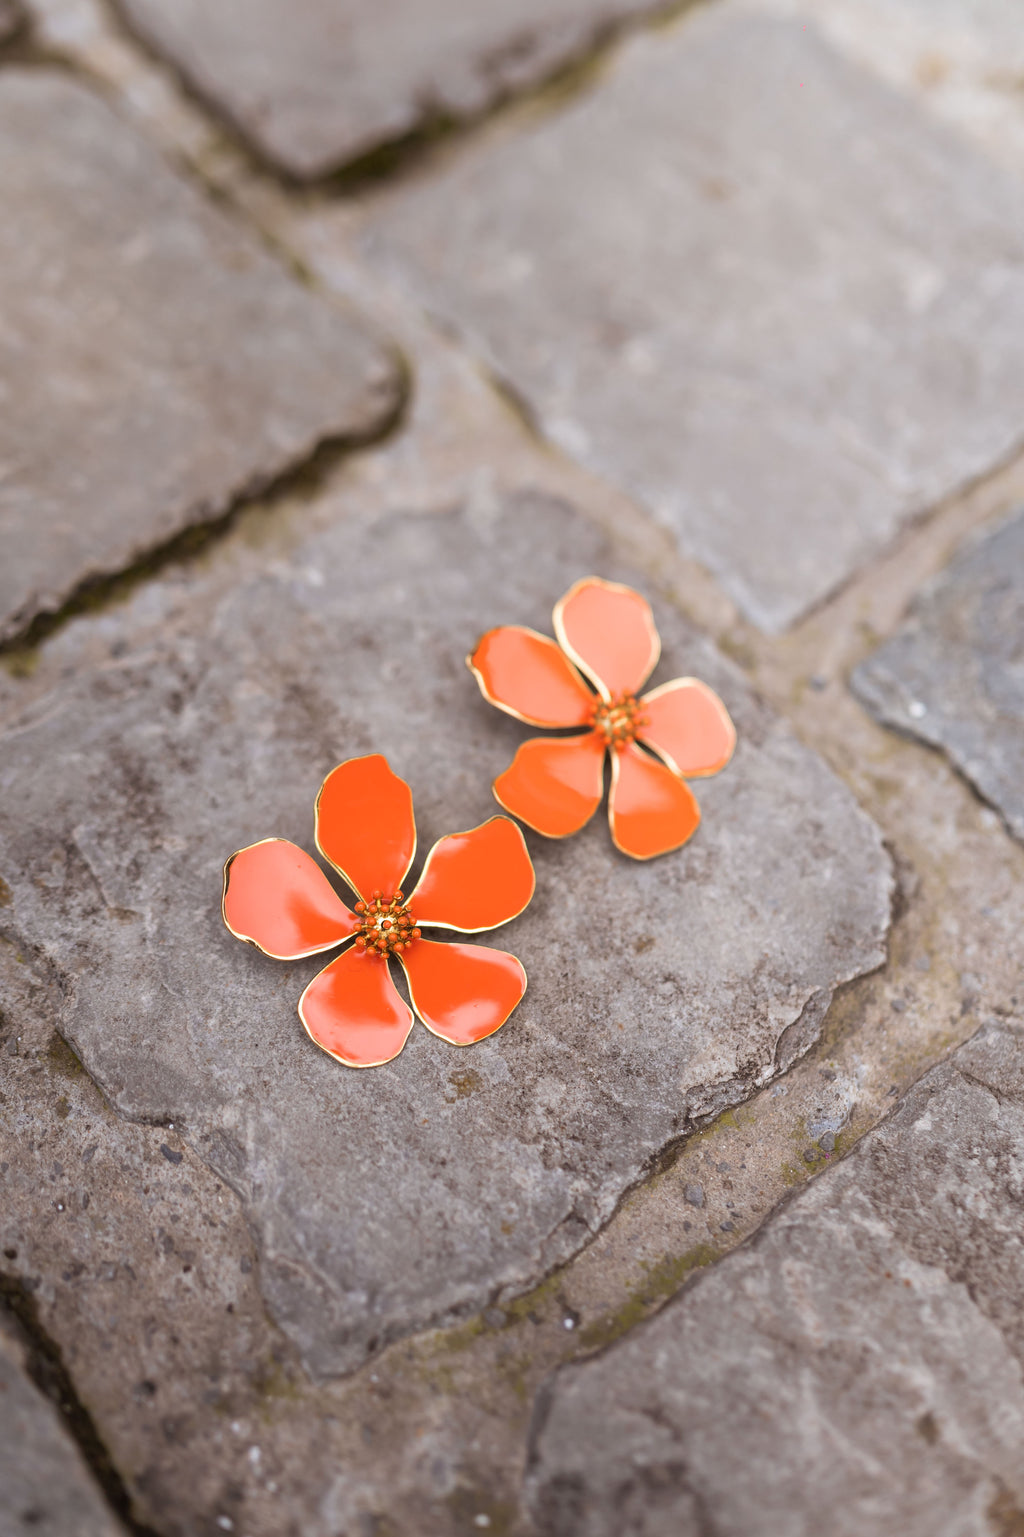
(962,59)
(45,1488)
(155,362)
(659,993)
(953,676)
(749,283)
(315,84)
(862,1356)
(221,1418)
(142,1274)
(11,18)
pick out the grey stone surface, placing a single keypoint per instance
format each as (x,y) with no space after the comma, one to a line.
(11,18)
(45,1487)
(953,676)
(155,362)
(659,993)
(143,1275)
(748,282)
(315,84)
(861,1357)
(961,59)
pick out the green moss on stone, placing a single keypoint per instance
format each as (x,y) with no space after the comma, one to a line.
(61,1057)
(662,1281)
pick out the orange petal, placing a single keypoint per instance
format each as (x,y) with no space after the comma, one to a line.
(528,676)
(609,632)
(689,726)
(476,880)
(462,992)
(554,784)
(277,898)
(352,1009)
(650,809)
(365,825)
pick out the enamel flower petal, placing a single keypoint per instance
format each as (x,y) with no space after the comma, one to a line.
(463,993)
(353,1010)
(650,810)
(554,784)
(475,880)
(678,731)
(277,898)
(688,725)
(365,824)
(608,631)
(528,676)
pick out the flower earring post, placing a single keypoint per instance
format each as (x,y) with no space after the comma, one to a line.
(277,898)
(606,634)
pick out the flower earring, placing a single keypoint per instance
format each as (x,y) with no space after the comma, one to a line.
(606,634)
(277,898)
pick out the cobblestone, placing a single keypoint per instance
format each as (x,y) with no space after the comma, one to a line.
(211,723)
(144,1277)
(46,1488)
(202,1224)
(953,676)
(446,1413)
(11,18)
(814,347)
(960,59)
(863,1355)
(155,362)
(315,85)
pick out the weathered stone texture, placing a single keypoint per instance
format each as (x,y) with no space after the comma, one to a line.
(862,1356)
(315,84)
(11,18)
(45,1488)
(962,59)
(385,1200)
(954,674)
(746,281)
(141,1272)
(155,362)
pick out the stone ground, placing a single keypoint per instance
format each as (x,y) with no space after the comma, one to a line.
(302,388)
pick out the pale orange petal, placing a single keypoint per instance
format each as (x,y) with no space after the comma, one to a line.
(475,880)
(277,898)
(365,825)
(651,810)
(462,992)
(609,632)
(689,726)
(530,677)
(353,1010)
(554,784)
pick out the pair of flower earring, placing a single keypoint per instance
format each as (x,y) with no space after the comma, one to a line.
(277,898)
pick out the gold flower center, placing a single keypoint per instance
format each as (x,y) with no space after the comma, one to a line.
(619,718)
(386,925)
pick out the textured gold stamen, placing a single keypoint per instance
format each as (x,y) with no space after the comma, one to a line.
(619,718)
(385,926)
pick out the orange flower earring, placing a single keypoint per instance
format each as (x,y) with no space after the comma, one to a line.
(606,634)
(277,898)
